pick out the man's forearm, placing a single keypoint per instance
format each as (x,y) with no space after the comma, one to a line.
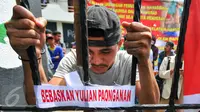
(28,82)
(149,93)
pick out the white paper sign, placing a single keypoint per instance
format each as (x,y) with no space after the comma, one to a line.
(85,96)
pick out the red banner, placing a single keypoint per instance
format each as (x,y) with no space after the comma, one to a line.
(162,17)
(191,56)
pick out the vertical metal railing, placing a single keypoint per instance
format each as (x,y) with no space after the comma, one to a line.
(180,48)
(80,13)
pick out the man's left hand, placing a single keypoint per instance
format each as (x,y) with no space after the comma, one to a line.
(138,41)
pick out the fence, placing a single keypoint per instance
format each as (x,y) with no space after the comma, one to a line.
(171,106)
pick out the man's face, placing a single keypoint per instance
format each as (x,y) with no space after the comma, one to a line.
(168,48)
(101,58)
(57,37)
(51,41)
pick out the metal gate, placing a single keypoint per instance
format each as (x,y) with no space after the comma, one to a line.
(80,6)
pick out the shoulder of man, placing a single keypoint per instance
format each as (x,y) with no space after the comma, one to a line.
(162,53)
(122,54)
(62,44)
(58,47)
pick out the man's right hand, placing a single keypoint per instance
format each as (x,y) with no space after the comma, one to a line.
(25,30)
(171,72)
(57,57)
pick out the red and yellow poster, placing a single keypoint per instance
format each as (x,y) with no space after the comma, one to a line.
(163,17)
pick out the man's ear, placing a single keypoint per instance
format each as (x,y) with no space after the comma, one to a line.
(120,42)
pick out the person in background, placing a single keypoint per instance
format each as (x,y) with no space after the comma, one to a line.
(169,46)
(47,58)
(55,51)
(57,36)
(166,72)
(48,32)
(154,50)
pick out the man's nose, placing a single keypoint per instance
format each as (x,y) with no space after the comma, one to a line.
(96,60)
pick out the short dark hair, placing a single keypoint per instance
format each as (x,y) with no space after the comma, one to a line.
(171,44)
(49,37)
(48,31)
(56,32)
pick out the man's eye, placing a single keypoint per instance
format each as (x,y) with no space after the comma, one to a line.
(90,53)
(105,52)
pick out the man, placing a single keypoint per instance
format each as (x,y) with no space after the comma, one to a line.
(169,46)
(108,66)
(46,58)
(57,36)
(55,51)
(166,72)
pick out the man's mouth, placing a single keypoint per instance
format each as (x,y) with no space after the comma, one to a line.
(98,68)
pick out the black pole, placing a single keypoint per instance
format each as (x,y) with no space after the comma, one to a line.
(84,36)
(80,28)
(32,5)
(137,6)
(180,49)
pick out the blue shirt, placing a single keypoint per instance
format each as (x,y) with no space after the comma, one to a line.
(56,52)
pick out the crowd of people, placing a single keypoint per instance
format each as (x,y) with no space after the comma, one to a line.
(109,64)
(55,48)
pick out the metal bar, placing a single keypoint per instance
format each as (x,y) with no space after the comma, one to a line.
(32,5)
(137,6)
(81,35)
(136,107)
(80,26)
(84,38)
(180,48)
(77,31)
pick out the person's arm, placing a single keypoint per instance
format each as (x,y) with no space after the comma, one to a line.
(149,91)
(138,44)
(66,65)
(25,30)
(28,81)
(163,73)
(53,58)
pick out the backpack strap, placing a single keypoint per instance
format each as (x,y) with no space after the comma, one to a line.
(168,64)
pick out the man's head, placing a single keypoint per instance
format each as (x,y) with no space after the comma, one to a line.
(50,39)
(48,31)
(57,35)
(104,37)
(169,46)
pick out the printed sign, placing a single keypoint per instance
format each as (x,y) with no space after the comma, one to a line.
(85,96)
